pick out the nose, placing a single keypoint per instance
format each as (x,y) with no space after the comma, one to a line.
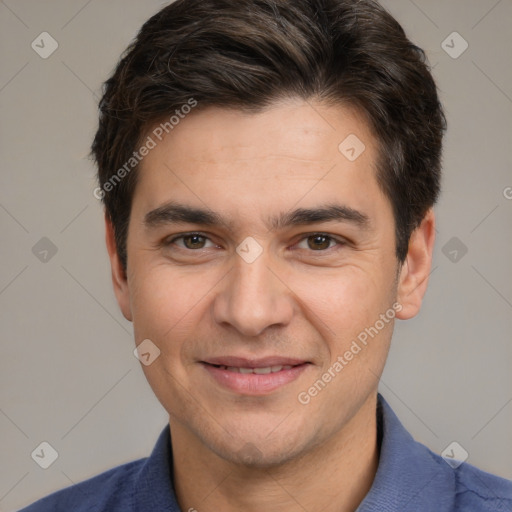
(254,297)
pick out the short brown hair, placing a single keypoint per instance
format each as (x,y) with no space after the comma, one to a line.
(245,54)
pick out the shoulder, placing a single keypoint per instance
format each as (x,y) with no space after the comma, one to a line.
(410,476)
(481,491)
(466,487)
(144,484)
(474,489)
(111,490)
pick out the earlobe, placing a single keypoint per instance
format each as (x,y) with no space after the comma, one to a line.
(119,279)
(415,271)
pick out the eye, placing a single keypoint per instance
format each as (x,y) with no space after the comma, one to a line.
(319,242)
(191,241)
(315,242)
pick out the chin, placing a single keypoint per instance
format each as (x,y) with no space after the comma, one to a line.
(260,456)
(262,449)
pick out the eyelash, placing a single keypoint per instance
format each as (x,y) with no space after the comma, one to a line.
(339,242)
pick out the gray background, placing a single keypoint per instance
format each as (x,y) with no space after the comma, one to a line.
(67,372)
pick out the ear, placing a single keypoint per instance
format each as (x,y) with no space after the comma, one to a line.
(119,280)
(415,270)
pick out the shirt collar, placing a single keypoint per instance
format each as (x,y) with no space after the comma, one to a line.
(408,477)
(155,488)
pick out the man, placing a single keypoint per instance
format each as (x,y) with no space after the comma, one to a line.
(269,170)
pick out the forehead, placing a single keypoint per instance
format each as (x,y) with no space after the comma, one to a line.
(293,152)
(291,128)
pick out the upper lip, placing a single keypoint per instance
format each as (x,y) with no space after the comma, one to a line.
(263,362)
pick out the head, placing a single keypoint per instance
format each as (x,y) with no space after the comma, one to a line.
(281,121)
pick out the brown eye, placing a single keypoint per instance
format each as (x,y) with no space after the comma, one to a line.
(193,241)
(319,242)
(189,241)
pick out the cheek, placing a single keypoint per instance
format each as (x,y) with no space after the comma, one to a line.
(164,302)
(344,307)
(343,299)
(165,310)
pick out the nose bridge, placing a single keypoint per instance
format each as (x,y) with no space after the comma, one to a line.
(253,298)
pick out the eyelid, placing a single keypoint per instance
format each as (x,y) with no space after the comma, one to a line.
(172,239)
(340,241)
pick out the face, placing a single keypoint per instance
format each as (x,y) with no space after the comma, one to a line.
(272,309)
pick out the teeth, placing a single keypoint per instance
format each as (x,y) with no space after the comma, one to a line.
(262,371)
(258,371)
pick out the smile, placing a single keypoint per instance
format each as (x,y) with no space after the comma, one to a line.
(254,378)
(259,371)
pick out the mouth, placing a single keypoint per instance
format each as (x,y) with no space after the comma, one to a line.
(258,371)
(254,376)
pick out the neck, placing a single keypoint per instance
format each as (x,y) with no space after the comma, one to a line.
(334,476)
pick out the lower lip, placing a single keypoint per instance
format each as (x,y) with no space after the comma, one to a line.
(252,383)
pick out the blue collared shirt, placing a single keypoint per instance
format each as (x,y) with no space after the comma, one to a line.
(410,478)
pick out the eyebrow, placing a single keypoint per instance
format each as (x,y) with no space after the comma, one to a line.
(176,213)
